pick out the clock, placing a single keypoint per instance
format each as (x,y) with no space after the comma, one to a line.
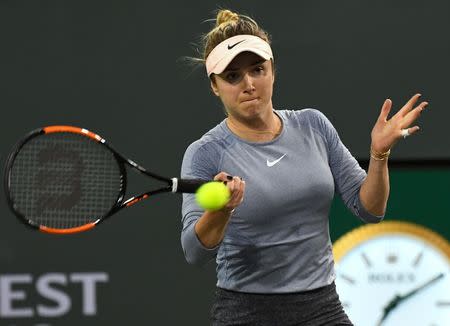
(393,274)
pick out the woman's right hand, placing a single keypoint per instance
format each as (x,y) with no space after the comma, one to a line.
(211,226)
(236,185)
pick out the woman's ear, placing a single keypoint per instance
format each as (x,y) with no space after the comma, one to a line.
(214,88)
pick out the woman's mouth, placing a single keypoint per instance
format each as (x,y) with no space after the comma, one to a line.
(250,100)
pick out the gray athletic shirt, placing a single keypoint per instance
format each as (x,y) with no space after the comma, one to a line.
(277,240)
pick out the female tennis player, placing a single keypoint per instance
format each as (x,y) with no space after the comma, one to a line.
(271,242)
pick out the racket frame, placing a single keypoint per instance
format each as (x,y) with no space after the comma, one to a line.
(172,184)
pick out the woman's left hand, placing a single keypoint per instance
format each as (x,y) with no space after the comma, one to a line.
(386,132)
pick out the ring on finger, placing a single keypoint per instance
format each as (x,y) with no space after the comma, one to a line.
(405,133)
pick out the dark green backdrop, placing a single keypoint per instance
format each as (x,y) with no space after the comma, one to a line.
(114,67)
(419,194)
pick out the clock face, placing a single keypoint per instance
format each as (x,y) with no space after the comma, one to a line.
(395,277)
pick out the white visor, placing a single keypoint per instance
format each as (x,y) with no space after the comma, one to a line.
(221,56)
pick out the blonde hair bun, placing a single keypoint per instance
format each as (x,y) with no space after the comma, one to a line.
(225,16)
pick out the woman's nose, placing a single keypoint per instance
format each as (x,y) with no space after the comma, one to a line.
(248,83)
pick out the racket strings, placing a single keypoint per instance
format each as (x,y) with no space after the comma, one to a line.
(64,180)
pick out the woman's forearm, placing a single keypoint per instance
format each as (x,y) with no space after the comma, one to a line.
(211,227)
(374,192)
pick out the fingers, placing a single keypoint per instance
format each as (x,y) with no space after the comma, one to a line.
(413,114)
(386,133)
(410,131)
(237,188)
(236,185)
(222,176)
(385,109)
(409,105)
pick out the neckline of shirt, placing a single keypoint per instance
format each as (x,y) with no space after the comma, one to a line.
(278,137)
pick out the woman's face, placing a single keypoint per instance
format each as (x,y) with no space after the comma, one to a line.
(246,86)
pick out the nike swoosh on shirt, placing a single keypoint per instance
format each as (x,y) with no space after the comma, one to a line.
(232,46)
(272,163)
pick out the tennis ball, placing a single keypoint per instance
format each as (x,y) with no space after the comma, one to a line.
(212,196)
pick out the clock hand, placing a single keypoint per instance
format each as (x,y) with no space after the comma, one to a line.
(389,307)
(419,288)
(399,298)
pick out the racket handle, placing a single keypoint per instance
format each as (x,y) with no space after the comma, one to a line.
(187,185)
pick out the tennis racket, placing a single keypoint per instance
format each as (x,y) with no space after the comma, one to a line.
(65,179)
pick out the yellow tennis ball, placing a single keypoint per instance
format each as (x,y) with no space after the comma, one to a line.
(213,195)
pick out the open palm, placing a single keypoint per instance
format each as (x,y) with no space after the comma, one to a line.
(386,132)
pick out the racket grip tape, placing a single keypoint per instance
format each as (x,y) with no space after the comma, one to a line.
(187,185)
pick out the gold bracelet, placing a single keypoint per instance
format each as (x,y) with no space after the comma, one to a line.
(379,156)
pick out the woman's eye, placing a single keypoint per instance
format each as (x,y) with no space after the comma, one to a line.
(259,69)
(232,76)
